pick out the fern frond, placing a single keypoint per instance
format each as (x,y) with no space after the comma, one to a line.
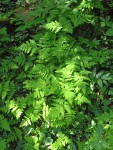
(53,26)
(2,144)
(66,23)
(4,123)
(60,142)
(29,47)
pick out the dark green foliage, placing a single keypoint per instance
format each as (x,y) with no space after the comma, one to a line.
(56,75)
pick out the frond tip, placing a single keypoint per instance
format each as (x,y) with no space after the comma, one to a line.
(54,26)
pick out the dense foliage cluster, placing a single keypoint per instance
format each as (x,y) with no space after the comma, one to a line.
(56,75)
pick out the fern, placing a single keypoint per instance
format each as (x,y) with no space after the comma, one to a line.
(29,47)
(56,75)
(4,124)
(60,142)
(66,24)
(54,26)
(2,144)
(102,135)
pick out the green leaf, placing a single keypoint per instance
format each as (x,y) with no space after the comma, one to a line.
(69,96)
(109,32)
(5,125)
(82,99)
(53,26)
(110,91)
(2,144)
(18,133)
(67,107)
(48,141)
(99,81)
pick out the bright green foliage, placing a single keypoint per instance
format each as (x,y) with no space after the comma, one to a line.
(53,26)
(56,75)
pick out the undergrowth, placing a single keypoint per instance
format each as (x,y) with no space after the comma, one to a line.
(56,75)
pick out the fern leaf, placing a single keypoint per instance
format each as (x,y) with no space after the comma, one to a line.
(4,124)
(53,26)
(60,142)
(29,47)
(2,144)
